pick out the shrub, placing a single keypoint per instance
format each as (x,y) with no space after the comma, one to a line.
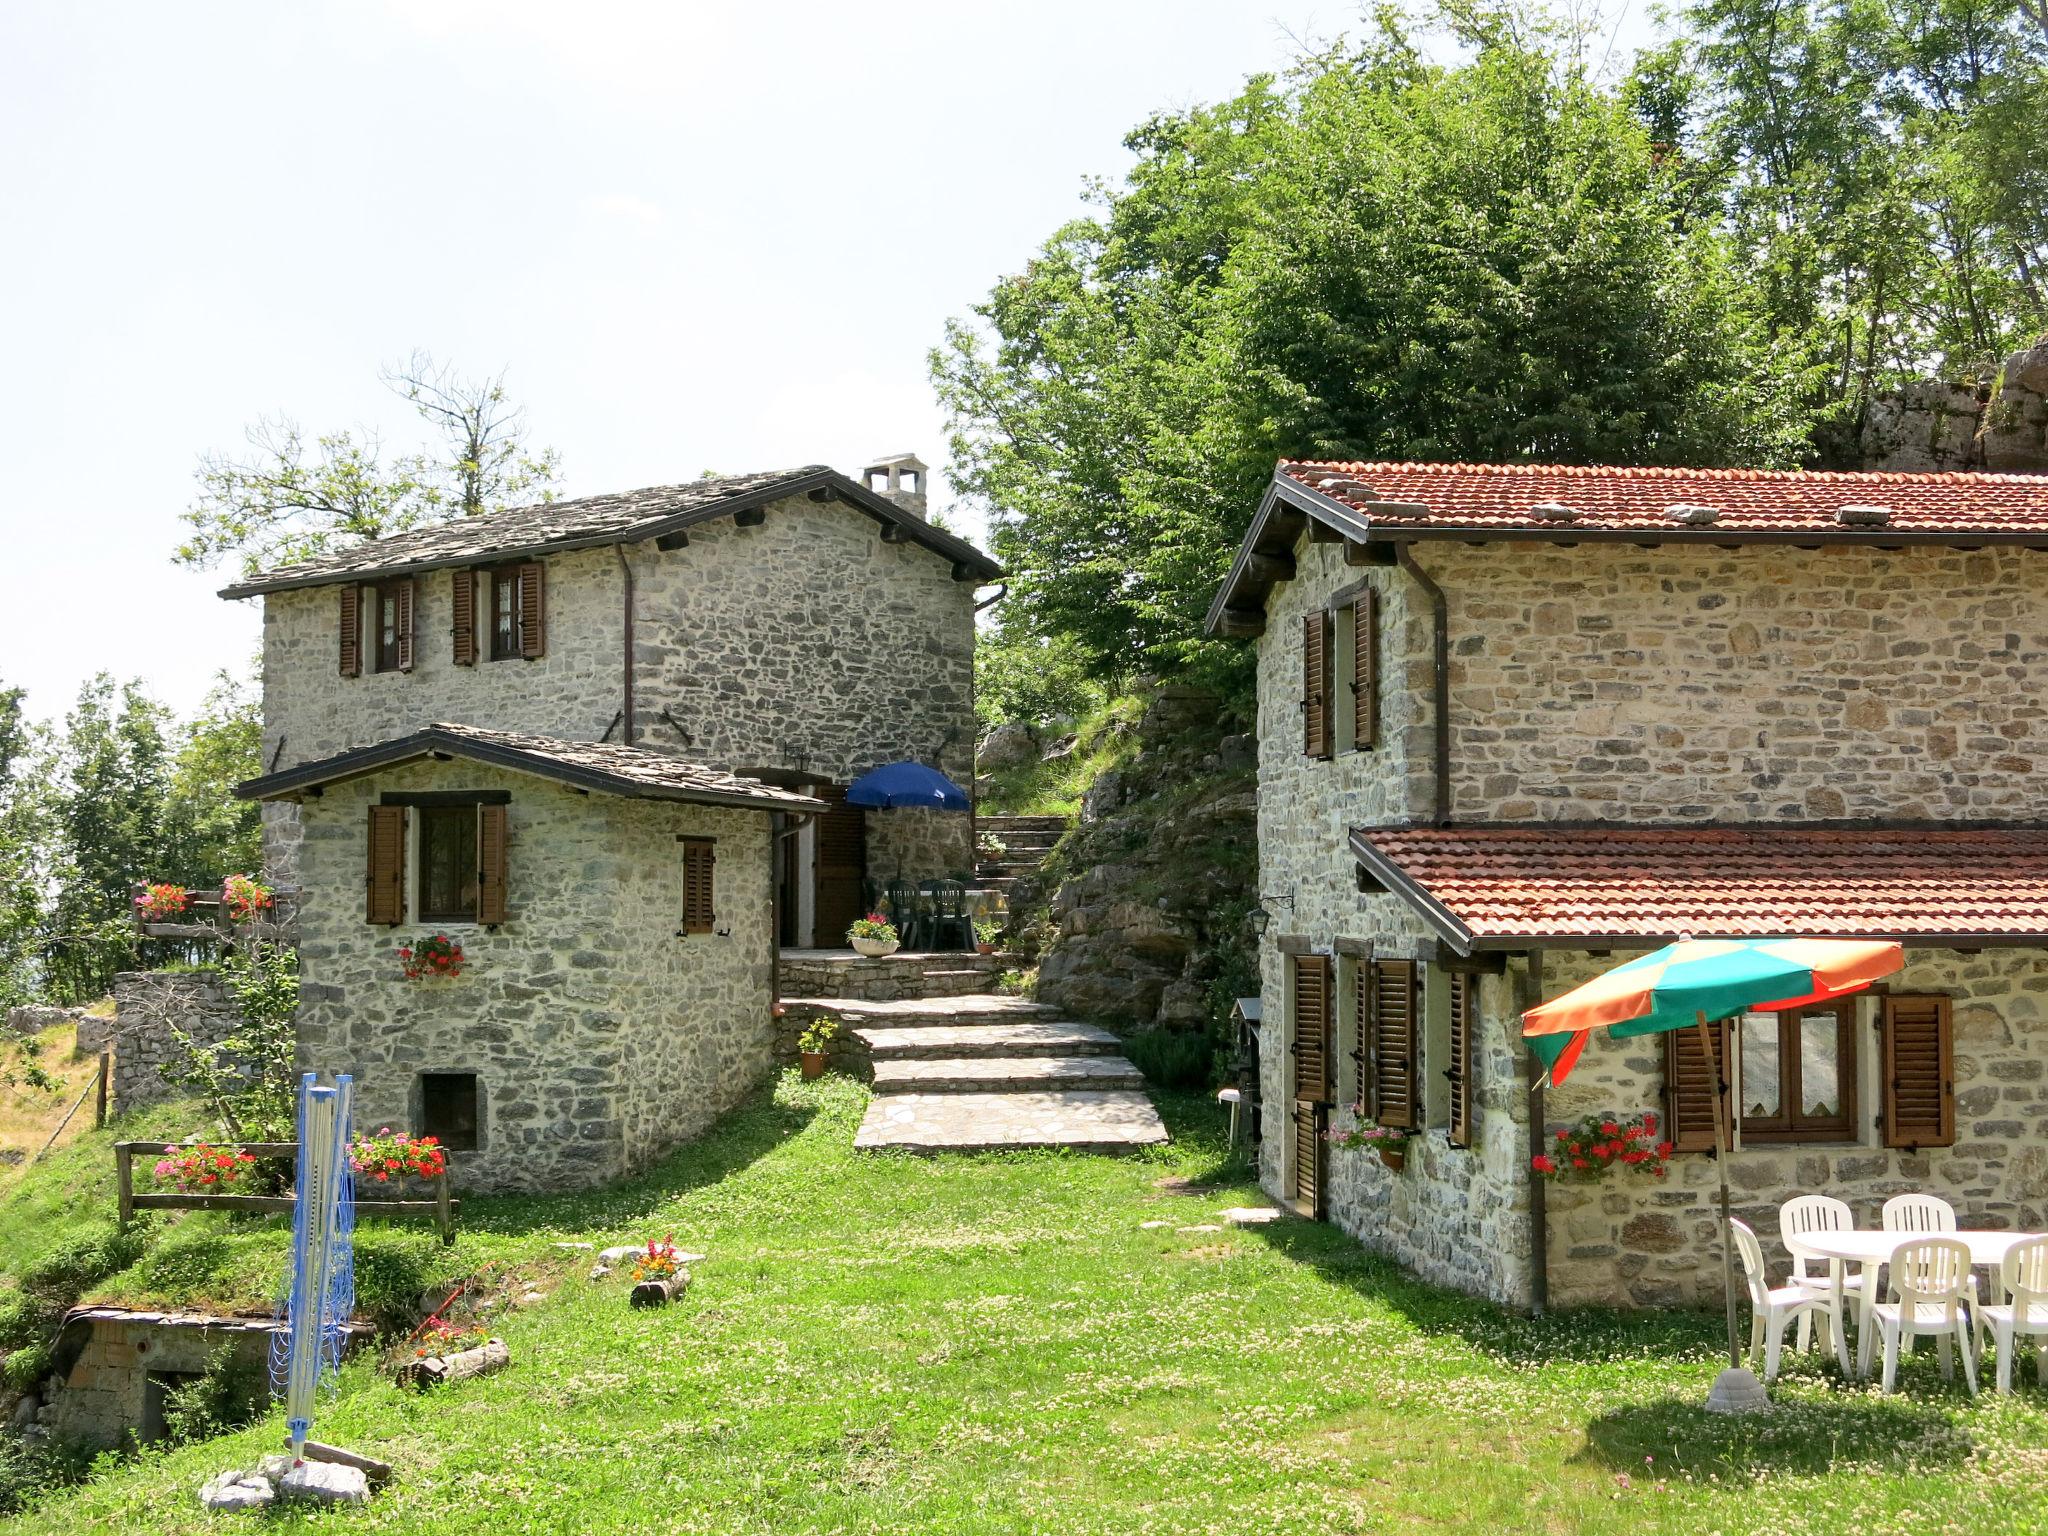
(1174,1058)
(227,1395)
(22,1320)
(27,1366)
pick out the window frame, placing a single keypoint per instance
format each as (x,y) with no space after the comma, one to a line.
(427,816)
(508,644)
(691,919)
(453,1143)
(1793,1124)
(387,652)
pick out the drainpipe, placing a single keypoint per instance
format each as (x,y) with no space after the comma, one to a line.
(1528,995)
(1439,682)
(632,731)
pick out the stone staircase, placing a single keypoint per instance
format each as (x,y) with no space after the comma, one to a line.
(1026,841)
(983,1072)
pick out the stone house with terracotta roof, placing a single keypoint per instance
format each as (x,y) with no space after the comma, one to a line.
(603,744)
(1518,723)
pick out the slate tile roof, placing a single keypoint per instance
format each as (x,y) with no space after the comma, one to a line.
(1497,497)
(610,767)
(592,520)
(1599,881)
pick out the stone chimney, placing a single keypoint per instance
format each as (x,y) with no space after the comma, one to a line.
(900,477)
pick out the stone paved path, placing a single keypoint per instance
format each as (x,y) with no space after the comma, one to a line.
(982,1072)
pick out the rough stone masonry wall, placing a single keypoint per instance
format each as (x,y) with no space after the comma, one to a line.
(1457,1216)
(1642,1242)
(148,1005)
(1682,684)
(600,1036)
(100,1403)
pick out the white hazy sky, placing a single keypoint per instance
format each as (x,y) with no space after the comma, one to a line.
(698,236)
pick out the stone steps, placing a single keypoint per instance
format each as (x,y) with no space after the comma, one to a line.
(1083,1119)
(1002,1074)
(952,1042)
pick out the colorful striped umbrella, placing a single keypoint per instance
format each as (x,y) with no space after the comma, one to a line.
(1692,982)
(1673,986)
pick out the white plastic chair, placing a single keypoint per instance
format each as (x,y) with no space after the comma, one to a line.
(1812,1213)
(1930,1276)
(1919,1213)
(1772,1307)
(2023,1280)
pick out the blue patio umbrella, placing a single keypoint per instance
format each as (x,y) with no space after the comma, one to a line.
(900,784)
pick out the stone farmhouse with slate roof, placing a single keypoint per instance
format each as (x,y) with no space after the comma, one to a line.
(603,744)
(1520,723)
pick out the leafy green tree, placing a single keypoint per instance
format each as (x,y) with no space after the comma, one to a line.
(1379,258)
(286,499)
(23,842)
(211,834)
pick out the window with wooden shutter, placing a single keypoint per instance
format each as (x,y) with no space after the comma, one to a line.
(1312,1077)
(406,594)
(700,859)
(387,864)
(1361,1033)
(533,611)
(1315,684)
(352,631)
(1365,677)
(1396,1037)
(493,862)
(1692,1086)
(462,593)
(1463,993)
(1918,1075)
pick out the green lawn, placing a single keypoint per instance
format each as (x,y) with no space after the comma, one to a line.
(996,1344)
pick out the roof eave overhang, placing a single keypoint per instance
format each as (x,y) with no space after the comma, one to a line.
(937,540)
(360,761)
(1397,880)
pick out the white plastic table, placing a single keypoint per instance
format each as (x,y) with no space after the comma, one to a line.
(1874,1249)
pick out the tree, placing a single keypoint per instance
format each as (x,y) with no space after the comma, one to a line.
(23,834)
(1380,258)
(287,500)
(209,833)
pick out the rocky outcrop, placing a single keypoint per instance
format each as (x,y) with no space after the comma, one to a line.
(1144,902)
(1933,424)
(2015,429)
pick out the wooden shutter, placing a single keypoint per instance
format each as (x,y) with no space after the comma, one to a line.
(1365,677)
(700,857)
(1464,1001)
(1396,1042)
(1315,684)
(493,861)
(1312,1028)
(387,864)
(1918,1075)
(533,611)
(402,598)
(351,631)
(1691,1086)
(1361,1032)
(463,592)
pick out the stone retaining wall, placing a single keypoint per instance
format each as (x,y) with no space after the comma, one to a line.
(892,978)
(844,1053)
(148,1005)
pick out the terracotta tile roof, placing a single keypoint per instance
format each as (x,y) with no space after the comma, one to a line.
(625,516)
(1495,885)
(609,767)
(1496,497)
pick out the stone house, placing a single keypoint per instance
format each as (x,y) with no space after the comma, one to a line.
(604,745)
(1520,723)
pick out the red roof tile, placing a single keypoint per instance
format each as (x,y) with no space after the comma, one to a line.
(1611,497)
(1596,881)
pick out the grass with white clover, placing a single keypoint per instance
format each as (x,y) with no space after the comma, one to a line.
(997,1344)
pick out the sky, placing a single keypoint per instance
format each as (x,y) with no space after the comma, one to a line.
(694,236)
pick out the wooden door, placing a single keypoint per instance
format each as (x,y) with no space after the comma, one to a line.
(842,868)
(1312,1049)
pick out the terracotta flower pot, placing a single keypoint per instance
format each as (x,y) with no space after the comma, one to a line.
(874,949)
(984,949)
(1395,1158)
(813,1063)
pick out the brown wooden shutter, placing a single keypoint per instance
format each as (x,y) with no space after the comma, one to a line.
(1691,1087)
(387,864)
(403,601)
(351,631)
(1361,1032)
(533,611)
(463,592)
(700,858)
(1917,1072)
(1315,684)
(1396,1053)
(1312,1028)
(1464,1000)
(493,862)
(1365,678)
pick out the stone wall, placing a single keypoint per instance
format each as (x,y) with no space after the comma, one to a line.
(1933,424)
(806,637)
(892,978)
(1642,1242)
(148,1005)
(599,1034)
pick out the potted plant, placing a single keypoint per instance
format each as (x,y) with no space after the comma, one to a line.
(810,1046)
(161,901)
(986,931)
(393,1157)
(435,955)
(873,936)
(243,896)
(1599,1144)
(658,1274)
(199,1168)
(1390,1142)
(990,849)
